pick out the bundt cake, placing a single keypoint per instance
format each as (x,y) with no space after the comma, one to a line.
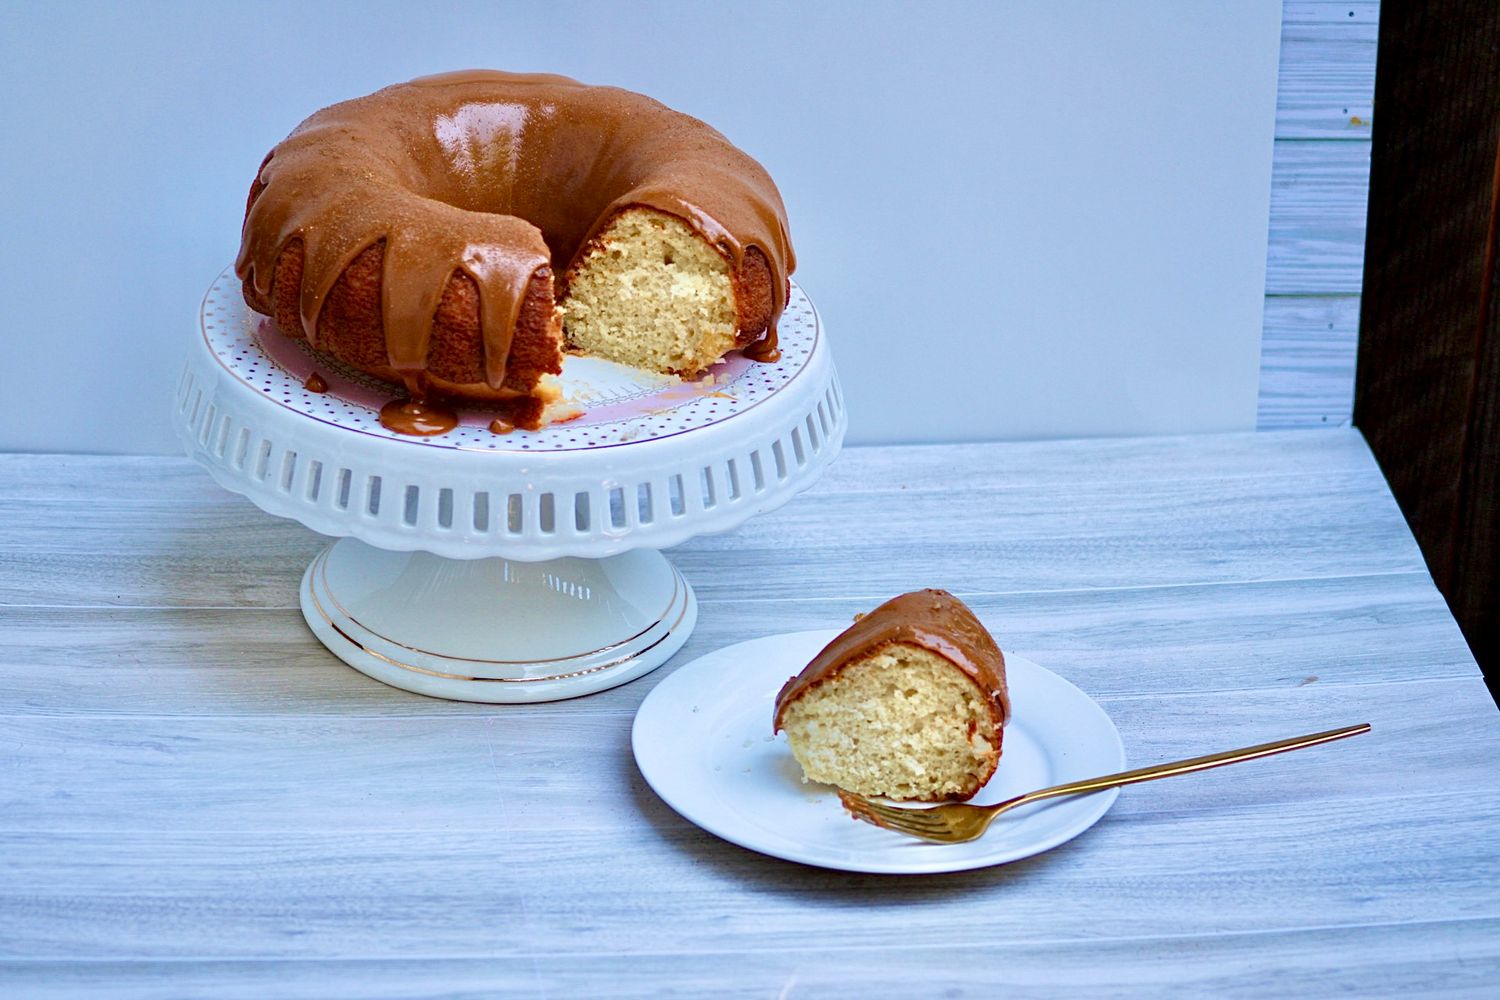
(909,702)
(455,234)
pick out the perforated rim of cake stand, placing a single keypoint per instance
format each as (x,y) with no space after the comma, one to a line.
(642,467)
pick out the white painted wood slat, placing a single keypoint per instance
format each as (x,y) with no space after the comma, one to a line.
(1444,959)
(1276,634)
(1318,202)
(1164,533)
(1327,74)
(521,771)
(433,892)
(152,479)
(1308,351)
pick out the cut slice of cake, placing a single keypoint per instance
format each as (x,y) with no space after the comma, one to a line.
(909,703)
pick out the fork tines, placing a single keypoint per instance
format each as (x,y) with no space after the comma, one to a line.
(914,821)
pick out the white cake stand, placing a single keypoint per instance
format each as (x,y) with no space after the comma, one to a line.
(505,568)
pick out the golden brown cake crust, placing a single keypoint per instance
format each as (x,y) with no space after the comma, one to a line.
(349,328)
(934,620)
(488,184)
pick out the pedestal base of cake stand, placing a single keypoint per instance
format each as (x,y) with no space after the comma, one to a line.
(489,565)
(497,630)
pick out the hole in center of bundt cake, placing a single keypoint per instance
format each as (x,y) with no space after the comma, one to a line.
(646,290)
(495,160)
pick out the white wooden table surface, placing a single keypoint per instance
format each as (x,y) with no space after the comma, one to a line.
(196,798)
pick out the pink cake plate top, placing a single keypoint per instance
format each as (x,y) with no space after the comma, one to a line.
(615,404)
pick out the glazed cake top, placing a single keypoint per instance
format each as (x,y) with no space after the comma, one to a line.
(934,620)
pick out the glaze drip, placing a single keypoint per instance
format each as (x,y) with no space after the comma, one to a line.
(417,418)
(502,177)
(765,350)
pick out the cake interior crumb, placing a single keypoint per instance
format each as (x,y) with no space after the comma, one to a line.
(651,293)
(902,723)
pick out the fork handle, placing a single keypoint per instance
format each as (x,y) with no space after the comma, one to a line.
(1188,766)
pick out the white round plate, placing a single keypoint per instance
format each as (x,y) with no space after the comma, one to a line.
(703,741)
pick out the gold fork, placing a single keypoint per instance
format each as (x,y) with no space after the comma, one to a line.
(957,823)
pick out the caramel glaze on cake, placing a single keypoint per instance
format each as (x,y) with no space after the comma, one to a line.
(934,620)
(425,234)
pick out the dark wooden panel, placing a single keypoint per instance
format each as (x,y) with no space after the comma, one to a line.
(1429,358)
(1476,568)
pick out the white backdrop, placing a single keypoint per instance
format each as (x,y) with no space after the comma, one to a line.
(1024,219)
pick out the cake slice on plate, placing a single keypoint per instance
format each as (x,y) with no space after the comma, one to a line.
(909,703)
